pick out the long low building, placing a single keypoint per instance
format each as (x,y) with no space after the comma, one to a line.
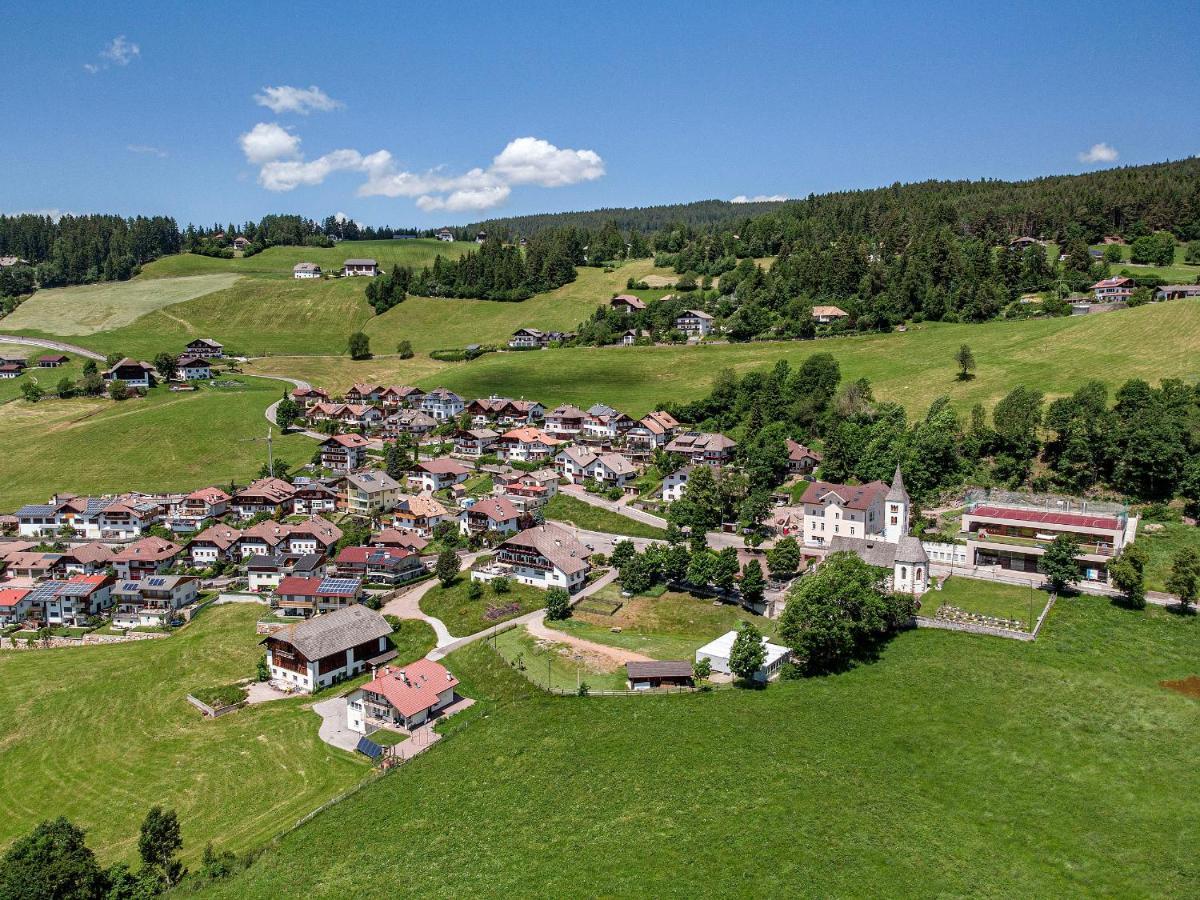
(717,653)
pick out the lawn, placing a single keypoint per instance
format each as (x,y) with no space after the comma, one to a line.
(164,441)
(413,640)
(987,598)
(564,508)
(99,734)
(47,379)
(952,766)
(1178,272)
(1163,545)
(464,616)
(671,626)
(556,665)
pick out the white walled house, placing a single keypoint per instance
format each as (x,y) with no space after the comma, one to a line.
(675,484)
(401,697)
(544,556)
(442,404)
(833,510)
(317,652)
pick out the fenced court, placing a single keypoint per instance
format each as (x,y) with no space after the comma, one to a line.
(599,606)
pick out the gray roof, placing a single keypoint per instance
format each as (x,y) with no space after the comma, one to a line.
(911,550)
(878,553)
(334,632)
(359,262)
(659,668)
(897,493)
(373,481)
(554,543)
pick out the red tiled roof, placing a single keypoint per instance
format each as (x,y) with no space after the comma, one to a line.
(351,441)
(10,597)
(443,466)
(859,496)
(151,548)
(412,688)
(497,509)
(1046,518)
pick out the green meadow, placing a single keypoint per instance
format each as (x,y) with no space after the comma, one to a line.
(953,765)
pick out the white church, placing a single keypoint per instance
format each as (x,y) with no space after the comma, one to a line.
(893,548)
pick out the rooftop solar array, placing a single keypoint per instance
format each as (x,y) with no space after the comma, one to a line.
(338,586)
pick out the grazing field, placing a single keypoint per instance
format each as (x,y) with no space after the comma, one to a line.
(672,626)
(47,379)
(563,508)
(952,766)
(88,309)
(164,441)
(464,616)
(1163,545)
(99,734)
(988,598)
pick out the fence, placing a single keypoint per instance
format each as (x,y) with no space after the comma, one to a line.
(213,712)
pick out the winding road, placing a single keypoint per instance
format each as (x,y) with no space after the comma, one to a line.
(51,345)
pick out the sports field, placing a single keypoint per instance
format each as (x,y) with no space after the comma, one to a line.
(954,765)
(99,734)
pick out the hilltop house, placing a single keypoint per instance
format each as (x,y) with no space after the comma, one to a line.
(352,267)
(206,348)
(319,651)
(401,697)
(544,556)
(627,303)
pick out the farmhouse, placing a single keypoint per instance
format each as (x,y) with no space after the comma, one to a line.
(191,368)
(527,339)
(319,651)
(306,270)
(1011,532)
(436,474)
(627,303)
(299,595)
(445,234)
(651,674)
(494,514)
(823,315)
(134,373)
(695,323)
(545,556)
(366,267)
(152,601)
(1110,289)
(53,361)
(240,243)
(344,452)
(10,370)
(442,404)
(401,697)
(703,447)
(371,492)
(206,348)
(717,653)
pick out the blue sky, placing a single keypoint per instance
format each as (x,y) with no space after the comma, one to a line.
(142,107)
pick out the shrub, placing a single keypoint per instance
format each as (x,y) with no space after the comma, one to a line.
(558,604)
(501,585)
(474,590)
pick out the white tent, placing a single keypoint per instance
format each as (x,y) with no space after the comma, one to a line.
(717,654)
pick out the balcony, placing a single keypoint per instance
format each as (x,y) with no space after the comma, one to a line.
(1039,544)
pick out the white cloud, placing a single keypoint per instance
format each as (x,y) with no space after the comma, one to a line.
(466,199)
(147,150)
(529,160)
(760,198)
(1099,153)
(120,51)
(285,175)
(298,100)
(267,141)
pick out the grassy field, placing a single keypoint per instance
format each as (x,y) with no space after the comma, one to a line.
(164,441)
(464,616)
(673,626)
(99,734)
(952,766)
(987,598)
(92,308)
(554,665)
(1163,545)
(1178,272)
(47,379)
(583,515)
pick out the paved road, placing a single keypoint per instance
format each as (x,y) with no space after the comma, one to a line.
(51,345)
(271,410)
(407,603)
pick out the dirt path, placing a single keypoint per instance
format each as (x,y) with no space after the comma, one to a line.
(538,628)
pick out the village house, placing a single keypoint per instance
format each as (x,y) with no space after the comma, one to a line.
(53,361)
(14,605)
(399,539)
(529,490)
(627,303)
(408,421)
(134,373)
(240,243)
(306,270)
(503,411)
(382,565)
(442,404)
(578,464)
(445,234)
(86,559)
(344,452)
(605,425)
(801,460)
(895,550)
(649,675)
(153,601)
(149,556)
(370,493)
(312,498)
(1013,533)
(474,442)
(695,323)
(365,393)
(652,431)
(1108,290)
(313,536)
(527,339)
(217,542)
(419,513)
(629,337)
(360,415)
(71,602)
(191,368)
(403,697)
(309,396)
(265,495)
(703,447)
(496,514)
(205,503)
(10,370)
(319,651)
(564,422)
(352,267)
(526,444)
(824,315)
(437,474)
(544,556)
(675,484)
(298,595)
(265,572)
(205,348)
(831,510)
(403,395)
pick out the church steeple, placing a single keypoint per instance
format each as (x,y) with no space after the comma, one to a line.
(897,494)
(895,510)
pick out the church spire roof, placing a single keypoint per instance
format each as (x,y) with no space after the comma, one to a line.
(897,494)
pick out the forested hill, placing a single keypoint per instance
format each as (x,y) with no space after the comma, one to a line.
(645,219)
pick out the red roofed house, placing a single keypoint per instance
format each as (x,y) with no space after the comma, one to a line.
(401,697)
(206,503)
(53,361)
(801,460)
(213,543)
(494,514)
(365,393)
(1112,289)
(823,315)
(1015,535)
(344,452)
(308,396)
(267,495)
(654,430)
(14,605)
(832,510)
(149,556)
(627,303)
(86,559)
(389,565)
(404,540)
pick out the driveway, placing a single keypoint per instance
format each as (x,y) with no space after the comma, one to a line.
(334,731)
(407,603)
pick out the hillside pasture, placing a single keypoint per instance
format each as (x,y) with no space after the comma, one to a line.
(92,308)
(100,734)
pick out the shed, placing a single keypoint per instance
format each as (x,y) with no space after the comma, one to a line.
(655,673)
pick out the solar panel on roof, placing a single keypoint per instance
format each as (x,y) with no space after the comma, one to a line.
(368,747)
(337,585)
(156,582)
